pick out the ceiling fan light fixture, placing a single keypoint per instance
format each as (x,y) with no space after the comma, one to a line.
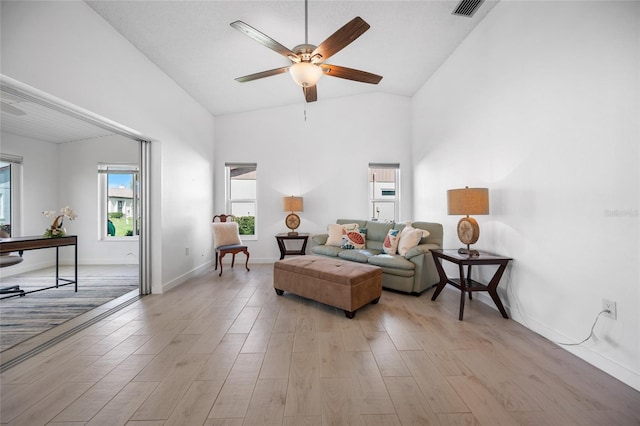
(305,74)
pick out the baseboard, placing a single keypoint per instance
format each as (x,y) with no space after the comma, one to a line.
(186,276)
(609,366)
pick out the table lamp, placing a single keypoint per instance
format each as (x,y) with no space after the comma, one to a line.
(292,204)
(468,201)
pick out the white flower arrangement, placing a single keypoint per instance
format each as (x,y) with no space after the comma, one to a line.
(56,229)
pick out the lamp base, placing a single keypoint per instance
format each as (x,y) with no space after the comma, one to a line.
(292,233)
(469,252)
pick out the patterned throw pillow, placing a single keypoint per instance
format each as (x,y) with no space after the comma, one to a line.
(390,245)
(353,240)
(336,232)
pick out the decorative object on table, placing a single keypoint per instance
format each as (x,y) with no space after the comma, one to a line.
(292,204)
(468,201)
(56,229)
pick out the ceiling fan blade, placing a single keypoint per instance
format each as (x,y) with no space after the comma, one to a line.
(350,74)
(341,38)
(310,93)
(263,39)
(262,74)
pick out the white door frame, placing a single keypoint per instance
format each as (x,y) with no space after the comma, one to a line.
(32,94)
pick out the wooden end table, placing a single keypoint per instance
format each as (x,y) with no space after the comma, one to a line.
(284,251)
(465,284)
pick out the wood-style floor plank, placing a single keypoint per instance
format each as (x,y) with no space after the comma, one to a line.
(196,404)
(228,351)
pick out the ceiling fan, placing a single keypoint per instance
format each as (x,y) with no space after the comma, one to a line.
(308,61)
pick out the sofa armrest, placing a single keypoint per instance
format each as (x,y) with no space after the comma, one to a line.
(319,239)
(420,249)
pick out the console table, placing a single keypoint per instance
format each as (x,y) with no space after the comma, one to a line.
(281,238)
(464,283)
(21,244)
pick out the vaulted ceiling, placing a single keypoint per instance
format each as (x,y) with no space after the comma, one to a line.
(193,43)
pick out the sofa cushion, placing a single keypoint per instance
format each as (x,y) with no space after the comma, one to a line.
(360,223)
(390,245)
(337,231)
(326,250)
(359,256)
(377,231)
(391,261)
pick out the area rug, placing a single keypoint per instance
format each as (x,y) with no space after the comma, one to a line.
(24,317)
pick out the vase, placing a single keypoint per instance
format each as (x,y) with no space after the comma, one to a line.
(56,230)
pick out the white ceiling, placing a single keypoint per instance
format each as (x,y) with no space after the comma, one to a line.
(192,42)
(25,117)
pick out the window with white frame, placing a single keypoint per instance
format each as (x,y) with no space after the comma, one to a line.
(241,196)
(10,172)
(119,201)
(384,191)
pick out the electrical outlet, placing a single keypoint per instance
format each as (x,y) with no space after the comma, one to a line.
(610,307)
(186,251)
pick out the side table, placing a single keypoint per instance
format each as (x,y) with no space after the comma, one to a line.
(465,284)
(281,238)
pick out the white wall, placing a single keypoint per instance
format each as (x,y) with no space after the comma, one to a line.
(58,175)
(79,189)
(39,193)
(67,50)
(324,159)
(541,105)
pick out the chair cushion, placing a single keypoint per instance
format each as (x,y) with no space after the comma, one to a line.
(230,247)
(9,260)
(225,233)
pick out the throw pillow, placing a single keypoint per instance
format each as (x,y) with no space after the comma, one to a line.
(353,240)
(336,233)
(225,234)
(409,238)
(390,245)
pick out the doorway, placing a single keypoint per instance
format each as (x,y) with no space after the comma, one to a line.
(41,125)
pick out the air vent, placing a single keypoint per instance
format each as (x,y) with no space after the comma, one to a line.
(467,7)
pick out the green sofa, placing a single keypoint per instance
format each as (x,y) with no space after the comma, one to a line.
(413,273)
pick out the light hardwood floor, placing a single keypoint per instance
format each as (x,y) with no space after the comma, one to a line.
(229,351)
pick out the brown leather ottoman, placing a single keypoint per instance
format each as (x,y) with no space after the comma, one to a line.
(339,283)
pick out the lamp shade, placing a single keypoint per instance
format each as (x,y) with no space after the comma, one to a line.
(305,74)
(468,201)
(292,204)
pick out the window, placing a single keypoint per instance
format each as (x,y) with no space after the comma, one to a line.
(9,193)
(241,195)
(119,200)
(384,191)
